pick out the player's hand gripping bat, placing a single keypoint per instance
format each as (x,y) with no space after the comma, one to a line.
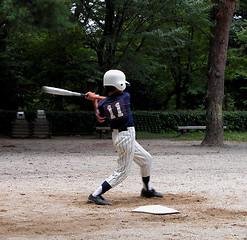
(63,92)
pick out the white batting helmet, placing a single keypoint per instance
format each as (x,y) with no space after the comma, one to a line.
(115,78)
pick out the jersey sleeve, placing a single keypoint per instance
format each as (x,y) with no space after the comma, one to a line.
(100,111)
(97,113)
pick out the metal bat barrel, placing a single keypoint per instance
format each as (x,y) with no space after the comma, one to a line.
(60,91)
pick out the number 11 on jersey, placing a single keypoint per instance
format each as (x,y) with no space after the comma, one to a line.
(118,108)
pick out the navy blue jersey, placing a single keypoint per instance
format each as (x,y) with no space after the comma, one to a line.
(116,110)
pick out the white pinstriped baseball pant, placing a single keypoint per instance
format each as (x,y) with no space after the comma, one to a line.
(128,150)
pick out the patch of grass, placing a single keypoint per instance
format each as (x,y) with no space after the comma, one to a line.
(148,135)
(192,136)
(235,136)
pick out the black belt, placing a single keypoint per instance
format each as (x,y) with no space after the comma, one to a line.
(123,129)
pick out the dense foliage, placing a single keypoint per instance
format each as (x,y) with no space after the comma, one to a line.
(162,46)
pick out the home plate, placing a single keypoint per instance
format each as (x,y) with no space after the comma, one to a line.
(155,209)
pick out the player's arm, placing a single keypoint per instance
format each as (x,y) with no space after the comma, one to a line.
(96,111)
(95,99)
(93,96)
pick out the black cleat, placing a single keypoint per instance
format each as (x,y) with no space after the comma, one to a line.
(151,193)
(98,200)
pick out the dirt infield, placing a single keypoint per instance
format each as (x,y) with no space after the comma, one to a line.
(44,185)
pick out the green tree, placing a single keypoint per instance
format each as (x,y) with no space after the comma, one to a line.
(162,47)
(236,70)
(117,30)
(183,53)
(123,33)
(18,20)
(58,60)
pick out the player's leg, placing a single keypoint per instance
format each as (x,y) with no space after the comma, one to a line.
(144,160)
(97,198)
(124,144)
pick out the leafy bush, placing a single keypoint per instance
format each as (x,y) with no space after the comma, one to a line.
(147,122)
(84,123)
(170,120)
(236,121)
(72,123)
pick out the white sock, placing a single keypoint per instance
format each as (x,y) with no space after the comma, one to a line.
(97,192)
(148,185)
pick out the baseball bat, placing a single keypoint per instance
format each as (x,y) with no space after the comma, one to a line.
(60,91)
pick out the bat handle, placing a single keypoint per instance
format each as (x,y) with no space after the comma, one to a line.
(85,95)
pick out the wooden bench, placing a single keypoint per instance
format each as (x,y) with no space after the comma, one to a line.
(103,131)
(184,129)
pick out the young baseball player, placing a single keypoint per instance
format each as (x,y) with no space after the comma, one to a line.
(115,109)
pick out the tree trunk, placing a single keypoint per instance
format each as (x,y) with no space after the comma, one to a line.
(216,73)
